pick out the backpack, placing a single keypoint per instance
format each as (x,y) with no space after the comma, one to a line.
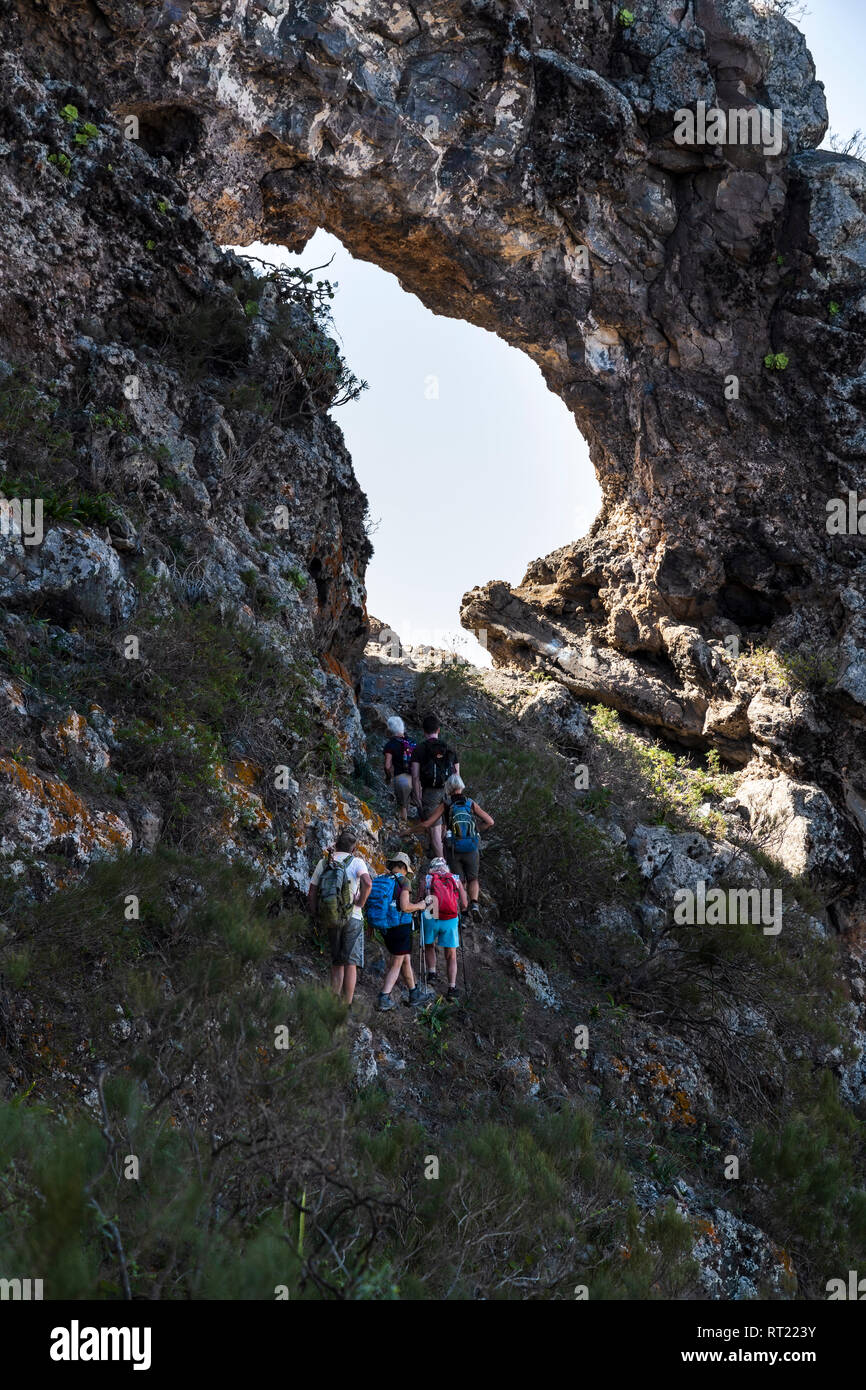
(336,893)
(463,828)
(445,893)
(436,764)
(408,749)
(381,906)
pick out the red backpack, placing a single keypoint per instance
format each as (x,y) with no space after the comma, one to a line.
(445,893)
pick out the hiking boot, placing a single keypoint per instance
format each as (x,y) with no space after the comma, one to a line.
(475,910)
(452,996)
(418,995)
(385,1003)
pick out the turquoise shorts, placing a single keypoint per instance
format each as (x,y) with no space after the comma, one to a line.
(440,933)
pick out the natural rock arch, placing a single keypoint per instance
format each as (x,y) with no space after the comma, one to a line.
(480,150)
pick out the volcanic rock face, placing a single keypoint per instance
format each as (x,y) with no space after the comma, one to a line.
(699,307)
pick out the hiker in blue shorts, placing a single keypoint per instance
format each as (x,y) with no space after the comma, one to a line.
(445,898)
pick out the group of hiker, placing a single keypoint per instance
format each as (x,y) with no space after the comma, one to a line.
(343,894)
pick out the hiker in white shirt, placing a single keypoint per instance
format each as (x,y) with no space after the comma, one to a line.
(342,911)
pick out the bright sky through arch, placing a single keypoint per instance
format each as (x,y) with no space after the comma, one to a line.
(465,486)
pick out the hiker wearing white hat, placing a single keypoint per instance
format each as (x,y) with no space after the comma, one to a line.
(445,900)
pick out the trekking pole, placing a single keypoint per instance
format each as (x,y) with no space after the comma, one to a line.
(422,955)
(463,958)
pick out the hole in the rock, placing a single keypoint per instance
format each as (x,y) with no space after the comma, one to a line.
(320,581)
(749,609)
(172,131)
(472,467)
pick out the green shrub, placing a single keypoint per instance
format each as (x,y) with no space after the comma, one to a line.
(662,786)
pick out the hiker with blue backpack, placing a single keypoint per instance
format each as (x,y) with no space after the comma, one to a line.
(440,924)
(389,911)
(433,762)
(398,753)
(463,816)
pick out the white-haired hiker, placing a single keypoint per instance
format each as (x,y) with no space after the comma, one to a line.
(463,816)
(398,761)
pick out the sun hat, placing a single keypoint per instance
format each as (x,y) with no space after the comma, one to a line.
(400,859)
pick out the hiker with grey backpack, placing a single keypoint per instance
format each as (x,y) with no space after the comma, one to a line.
(339,888)
(389,910)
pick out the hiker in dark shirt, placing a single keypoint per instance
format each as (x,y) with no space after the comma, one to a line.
(398,753)
(463,817)
(433,762)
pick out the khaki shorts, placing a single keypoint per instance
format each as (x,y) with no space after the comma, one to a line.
(430,799)
(402,789)
(347,943)
(466,863)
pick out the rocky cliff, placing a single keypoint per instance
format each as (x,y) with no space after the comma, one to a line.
(698,306)
(183,669)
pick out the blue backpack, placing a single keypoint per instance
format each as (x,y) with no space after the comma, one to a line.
(463,827)
(381,905)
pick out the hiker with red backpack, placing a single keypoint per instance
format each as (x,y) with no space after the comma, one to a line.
(433,762)
(338,891)
(389,909)
(446,898)
(398,753)
(463,816)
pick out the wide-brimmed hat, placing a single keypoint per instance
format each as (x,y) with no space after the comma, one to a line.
(400,859)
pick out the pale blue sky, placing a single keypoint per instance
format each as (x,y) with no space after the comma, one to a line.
(495,463)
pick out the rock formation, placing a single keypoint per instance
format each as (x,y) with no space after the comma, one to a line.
(183,654)
(699,307)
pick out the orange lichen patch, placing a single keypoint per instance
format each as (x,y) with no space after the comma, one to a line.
(680,1112)
(336,667)
(707,1229)
(619,1066)
(71,729)
(245,772)
(50,811)
(373,819)
(519,967)
(786,1262)
(229,205)
(657,1075)
(243,802)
